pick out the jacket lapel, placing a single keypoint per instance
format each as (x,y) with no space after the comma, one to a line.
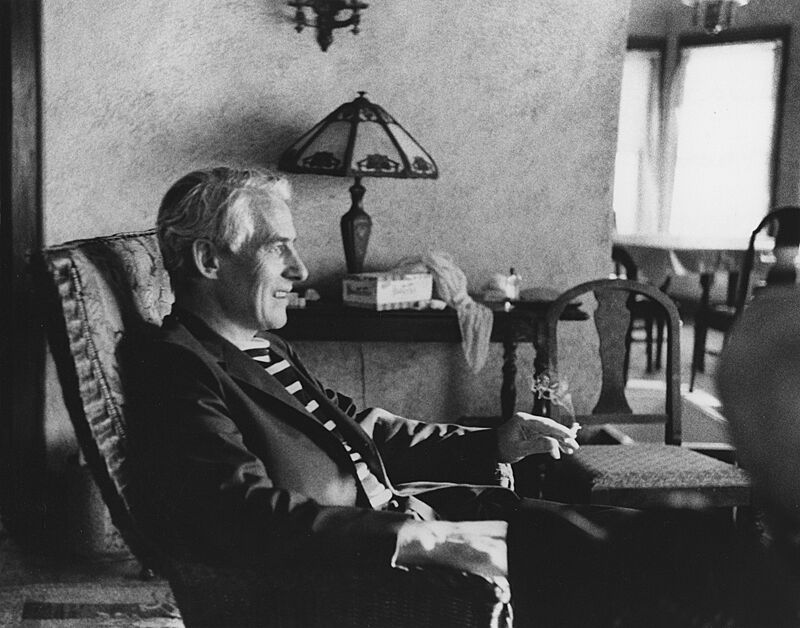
(353,433)
(263,388)
(260,386)
(245,370)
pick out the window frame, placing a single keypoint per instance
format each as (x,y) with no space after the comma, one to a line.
(637,42)
(22,438)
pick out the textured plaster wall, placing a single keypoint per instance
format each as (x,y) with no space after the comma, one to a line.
(517,102)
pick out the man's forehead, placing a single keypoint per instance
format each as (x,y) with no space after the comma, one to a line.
(278,220)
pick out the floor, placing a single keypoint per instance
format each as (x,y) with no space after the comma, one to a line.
(703,381)
(42,590)
(47,591)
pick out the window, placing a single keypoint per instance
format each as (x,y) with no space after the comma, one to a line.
(724,124)
(636,180)
(700,158)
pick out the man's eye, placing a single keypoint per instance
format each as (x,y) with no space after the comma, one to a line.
(279,248)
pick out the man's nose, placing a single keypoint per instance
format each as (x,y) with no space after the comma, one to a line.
(296,270)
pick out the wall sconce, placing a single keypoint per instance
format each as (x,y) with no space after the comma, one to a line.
(714,15)
(358,139)
(327,12)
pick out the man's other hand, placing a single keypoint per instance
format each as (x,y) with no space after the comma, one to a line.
(525,434)
(477,547)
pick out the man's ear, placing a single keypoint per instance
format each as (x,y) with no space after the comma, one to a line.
(206,258)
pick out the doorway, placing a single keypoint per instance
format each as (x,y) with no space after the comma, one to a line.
(22,447)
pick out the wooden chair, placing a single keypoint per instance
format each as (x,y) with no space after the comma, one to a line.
(638,475)
(644,316)
(97,292)
(785,221)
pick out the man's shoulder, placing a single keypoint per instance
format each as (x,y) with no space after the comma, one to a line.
(172,340)
(173,331)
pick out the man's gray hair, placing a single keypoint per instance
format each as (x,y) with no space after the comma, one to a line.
(203,204)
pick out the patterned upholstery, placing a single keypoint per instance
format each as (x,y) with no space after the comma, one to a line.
(655,465)
(95,292)
(97,288)
(643,474)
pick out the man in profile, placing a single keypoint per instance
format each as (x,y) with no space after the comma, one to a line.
(248,459)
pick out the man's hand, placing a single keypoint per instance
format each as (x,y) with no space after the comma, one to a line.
(525,434)
(477,547)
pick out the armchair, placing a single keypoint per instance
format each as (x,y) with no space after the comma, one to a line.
(96,291)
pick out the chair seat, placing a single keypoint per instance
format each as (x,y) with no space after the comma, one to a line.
(646,475)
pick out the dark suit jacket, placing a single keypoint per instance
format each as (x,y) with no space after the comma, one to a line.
(234,469)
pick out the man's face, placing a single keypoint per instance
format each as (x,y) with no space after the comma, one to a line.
(253,284)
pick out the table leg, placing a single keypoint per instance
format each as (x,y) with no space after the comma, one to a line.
(508,390)
(700,328)
(733,286)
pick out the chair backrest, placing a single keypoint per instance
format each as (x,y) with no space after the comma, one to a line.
(611,320)
(787,232)
(94,291)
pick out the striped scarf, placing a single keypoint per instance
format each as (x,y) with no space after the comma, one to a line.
(259,350)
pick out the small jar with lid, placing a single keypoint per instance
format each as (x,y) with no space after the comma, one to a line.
(513,282)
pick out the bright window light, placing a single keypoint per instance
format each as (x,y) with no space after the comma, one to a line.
(724,136)
(635,180)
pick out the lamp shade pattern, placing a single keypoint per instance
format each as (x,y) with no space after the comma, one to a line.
(359,139)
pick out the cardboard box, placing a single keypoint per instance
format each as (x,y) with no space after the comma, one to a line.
(387,291)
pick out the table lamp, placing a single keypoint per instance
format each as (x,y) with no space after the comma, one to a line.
(358,139)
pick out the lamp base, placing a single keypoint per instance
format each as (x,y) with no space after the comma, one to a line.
(356,227)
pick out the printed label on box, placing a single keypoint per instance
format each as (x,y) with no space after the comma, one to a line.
(387,289)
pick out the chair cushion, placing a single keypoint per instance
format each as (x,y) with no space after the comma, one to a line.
(98,289)
(106,285)
(646,474)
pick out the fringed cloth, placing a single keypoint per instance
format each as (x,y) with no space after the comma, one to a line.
(450,285)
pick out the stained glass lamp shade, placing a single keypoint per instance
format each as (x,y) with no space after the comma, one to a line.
(358,139)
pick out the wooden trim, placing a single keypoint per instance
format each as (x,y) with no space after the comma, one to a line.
(735,35)
(637,42)
(22,444)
